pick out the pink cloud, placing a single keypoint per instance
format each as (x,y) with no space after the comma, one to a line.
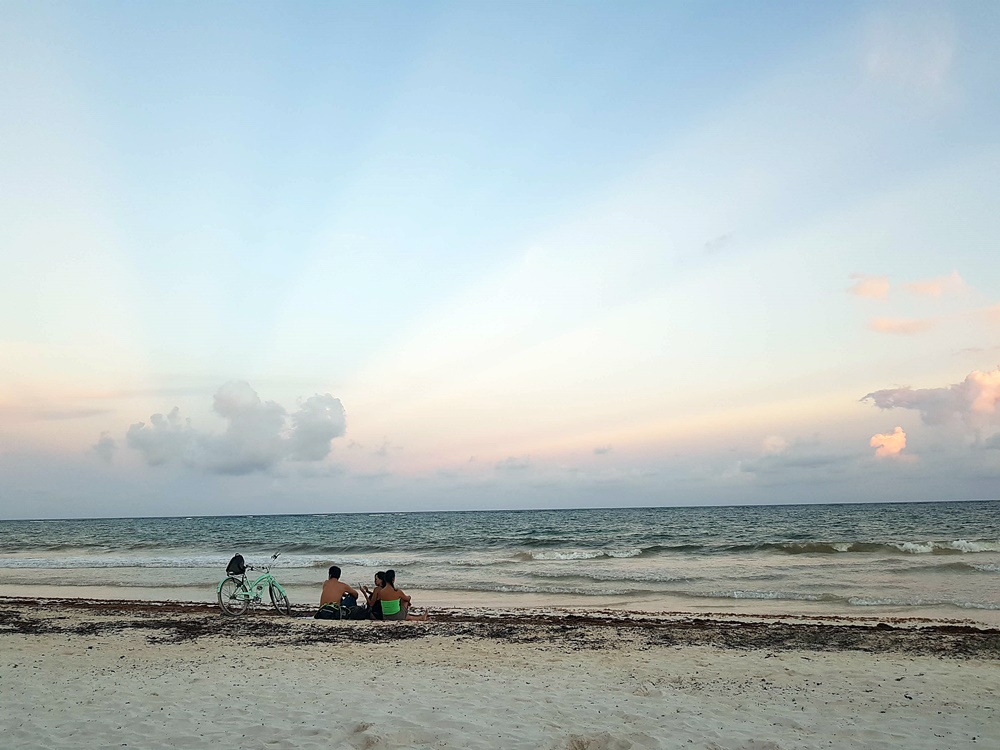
(889,446)
(900,326)
(936,287)
(872,287)
(984,390)
(973,401)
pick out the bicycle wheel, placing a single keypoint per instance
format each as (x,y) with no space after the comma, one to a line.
(280,601)
(233,597)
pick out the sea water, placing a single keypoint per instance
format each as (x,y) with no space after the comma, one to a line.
(928,559)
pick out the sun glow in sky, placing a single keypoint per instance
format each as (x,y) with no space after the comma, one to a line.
(319,257)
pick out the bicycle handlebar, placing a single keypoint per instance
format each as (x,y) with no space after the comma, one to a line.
(265,568)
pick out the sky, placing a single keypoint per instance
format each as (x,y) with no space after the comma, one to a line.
(328,256)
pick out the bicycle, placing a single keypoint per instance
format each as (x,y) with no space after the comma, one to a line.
(235,594)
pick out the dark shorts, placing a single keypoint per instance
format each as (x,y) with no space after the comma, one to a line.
(328,612)
(338,612)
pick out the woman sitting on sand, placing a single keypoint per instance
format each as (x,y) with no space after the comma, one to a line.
(394,602)
(374,606)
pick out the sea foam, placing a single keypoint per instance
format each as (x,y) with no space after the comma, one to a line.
(578,554)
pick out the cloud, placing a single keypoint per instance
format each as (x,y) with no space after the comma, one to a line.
(105,447)
(259,435)
(899,326)
(781,460)
(979,349)
(319,420)
(27,413)
(793,462)
(773,445)
(166,438)
(253,439)
(936,287)
(602,450)
(62,414)
(514,463)
(973,401)
(889,446)
(871,287)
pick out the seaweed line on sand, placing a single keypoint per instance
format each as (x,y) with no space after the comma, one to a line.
(173,622)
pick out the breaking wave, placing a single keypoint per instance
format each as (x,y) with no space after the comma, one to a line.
(577,554)
(955,547)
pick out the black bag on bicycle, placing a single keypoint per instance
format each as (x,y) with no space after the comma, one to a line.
(236,566)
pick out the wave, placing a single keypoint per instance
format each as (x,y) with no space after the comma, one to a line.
(730,594)
(529,588)
(959,566)
(365,562)
(770,595)
(954,547)
(862,601)
(986,567)
(597,575)
(854,601)
(577,554)
(205,588)
(218,562)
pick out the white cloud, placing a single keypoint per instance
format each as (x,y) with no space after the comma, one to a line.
(319,420)
(872,287)
(256,438)
(889,445)
(165,439)
(973,401)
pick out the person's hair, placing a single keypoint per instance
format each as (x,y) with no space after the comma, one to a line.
(390,578)
(334,571)
(380,576)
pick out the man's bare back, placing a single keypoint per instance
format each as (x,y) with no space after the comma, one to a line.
(333,590)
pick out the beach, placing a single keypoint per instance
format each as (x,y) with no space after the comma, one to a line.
(89,673)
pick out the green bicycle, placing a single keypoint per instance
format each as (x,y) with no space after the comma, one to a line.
(235,593)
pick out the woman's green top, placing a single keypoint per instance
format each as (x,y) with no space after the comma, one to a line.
(390,606)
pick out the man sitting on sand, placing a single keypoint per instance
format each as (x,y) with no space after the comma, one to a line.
(331,602)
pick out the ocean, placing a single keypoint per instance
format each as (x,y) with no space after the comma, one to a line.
(939,560)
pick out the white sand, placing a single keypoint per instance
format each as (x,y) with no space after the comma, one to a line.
(119,690)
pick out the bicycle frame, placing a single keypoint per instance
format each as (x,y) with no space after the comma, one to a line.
(254,591)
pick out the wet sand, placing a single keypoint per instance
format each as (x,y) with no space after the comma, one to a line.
(82,674)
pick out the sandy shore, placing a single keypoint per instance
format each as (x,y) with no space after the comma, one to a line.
(89,674)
